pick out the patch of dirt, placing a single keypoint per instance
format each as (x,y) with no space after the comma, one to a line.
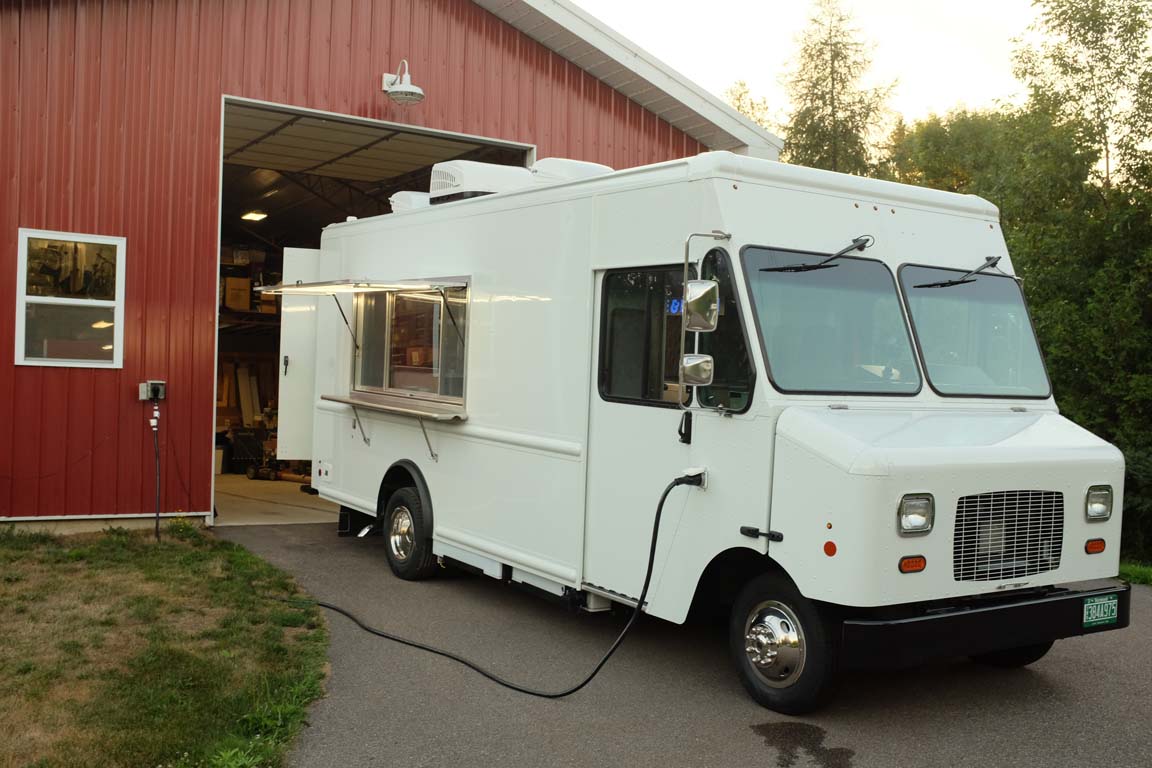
(77,625)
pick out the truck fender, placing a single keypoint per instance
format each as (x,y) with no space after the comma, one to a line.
(404,473)
(727,573)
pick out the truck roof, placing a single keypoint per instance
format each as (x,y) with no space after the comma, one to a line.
(719,165)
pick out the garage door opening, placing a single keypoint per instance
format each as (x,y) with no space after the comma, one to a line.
(286,173)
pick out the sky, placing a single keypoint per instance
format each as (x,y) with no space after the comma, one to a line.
(941,55)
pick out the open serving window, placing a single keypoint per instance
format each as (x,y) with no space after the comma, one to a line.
(409,340)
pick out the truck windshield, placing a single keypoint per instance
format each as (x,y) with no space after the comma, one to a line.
(975,336)
(837,329)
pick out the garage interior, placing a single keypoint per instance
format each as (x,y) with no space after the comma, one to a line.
(286,174)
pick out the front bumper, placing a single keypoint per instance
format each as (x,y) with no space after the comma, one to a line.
(916,634)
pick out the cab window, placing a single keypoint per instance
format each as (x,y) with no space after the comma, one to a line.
(640,336)
(733,375)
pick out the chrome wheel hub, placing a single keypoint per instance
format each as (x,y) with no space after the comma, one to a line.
(774,643)
(401,539)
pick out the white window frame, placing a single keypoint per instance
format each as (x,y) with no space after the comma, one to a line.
(23,299)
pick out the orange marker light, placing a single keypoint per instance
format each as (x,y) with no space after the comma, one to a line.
(1094,546)
(913,564)
(830,548)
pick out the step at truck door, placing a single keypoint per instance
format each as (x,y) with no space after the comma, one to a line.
(297,358)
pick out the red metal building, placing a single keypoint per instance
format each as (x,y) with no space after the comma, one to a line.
(111,117)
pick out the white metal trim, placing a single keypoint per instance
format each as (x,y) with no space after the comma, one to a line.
(62,302)
(550,445)
(216,314)
(346,499)
(22,299)
(361,285)
(472,542)
(529,149)
(109,516)
(743,133)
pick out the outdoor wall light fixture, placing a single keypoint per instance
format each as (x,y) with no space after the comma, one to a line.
(399,86)
(254,216)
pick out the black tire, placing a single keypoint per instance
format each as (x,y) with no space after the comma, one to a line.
(792,683)
(1010,658)
(407,536)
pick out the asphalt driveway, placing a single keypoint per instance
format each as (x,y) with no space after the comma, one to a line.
(668,697)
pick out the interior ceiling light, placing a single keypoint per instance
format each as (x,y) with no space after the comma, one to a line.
(399,86)
(254,216)
(106,347)
(101,324)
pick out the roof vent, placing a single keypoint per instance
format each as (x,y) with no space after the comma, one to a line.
(408,201)
(462,179)
(554,170)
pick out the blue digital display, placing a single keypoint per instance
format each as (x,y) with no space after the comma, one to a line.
(673,306)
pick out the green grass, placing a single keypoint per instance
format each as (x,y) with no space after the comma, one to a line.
(118,651)
(1137,573)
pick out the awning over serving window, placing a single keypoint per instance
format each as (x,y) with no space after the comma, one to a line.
(360,285)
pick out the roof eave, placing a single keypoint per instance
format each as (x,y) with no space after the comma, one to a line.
(579,37)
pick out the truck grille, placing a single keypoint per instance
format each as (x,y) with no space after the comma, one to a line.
(1007,534)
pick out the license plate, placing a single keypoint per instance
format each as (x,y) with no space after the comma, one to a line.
(1101,610)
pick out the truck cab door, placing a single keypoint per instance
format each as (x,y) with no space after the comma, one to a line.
(297,361)
(634,450)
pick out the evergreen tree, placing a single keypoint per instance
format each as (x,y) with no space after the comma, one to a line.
(739,97)
(832,115)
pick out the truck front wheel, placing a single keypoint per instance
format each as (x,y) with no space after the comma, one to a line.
(782,646)
(408,540)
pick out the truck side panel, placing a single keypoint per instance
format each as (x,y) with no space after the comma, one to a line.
(509,482)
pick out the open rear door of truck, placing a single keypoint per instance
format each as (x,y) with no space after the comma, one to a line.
(297,401)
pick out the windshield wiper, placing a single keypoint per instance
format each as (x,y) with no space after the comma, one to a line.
(858,244)
(989,262)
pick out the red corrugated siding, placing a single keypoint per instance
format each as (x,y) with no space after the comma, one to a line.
(110,124)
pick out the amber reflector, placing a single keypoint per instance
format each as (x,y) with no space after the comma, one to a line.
(913,564)
(1094,546)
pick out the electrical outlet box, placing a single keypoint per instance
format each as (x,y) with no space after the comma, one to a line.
(153,390)
(703,472)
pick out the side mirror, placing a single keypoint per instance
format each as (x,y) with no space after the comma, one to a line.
(701,306)
(697,369)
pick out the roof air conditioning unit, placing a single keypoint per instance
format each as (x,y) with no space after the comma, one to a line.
(462,179)
(554,170)
(408,201)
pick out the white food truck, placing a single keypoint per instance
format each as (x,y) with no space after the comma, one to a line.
(505,373)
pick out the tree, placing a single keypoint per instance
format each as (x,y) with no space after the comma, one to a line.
(740,97)
(1029,161)
(832,115)
(1095,65)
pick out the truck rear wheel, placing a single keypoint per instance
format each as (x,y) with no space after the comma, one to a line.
(407,537)
(782,647)
(1010,658)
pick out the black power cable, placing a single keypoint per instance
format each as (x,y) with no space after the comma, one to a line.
(683,480)
(154,422)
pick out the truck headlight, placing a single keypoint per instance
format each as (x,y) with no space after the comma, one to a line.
(1098,502)
(916,513)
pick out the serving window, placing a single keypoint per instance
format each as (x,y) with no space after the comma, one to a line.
(412,343)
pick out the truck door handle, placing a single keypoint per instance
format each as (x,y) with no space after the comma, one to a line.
(285,365)
(755,533)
